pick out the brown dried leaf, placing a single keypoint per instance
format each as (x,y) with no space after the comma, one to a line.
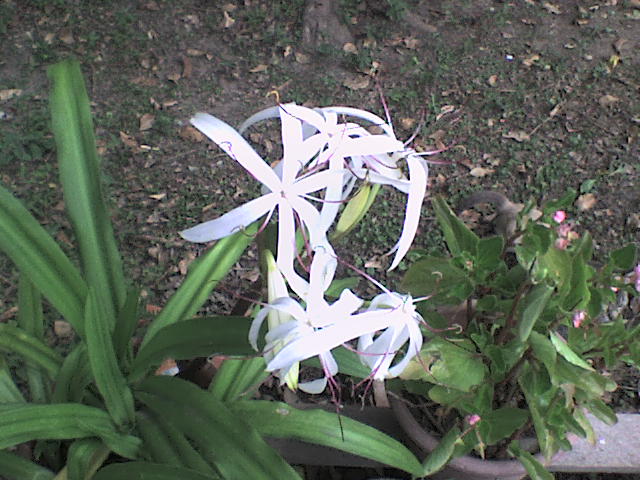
(586,201)
(194,52)
(9,93)
(492,80)
(146,121)
(62,329)
(480,172)
(349,48)
(357,83)
(187,67)
(66,36)
(552,8)
(517,135)
(228,21)
(190,134)
(302,58)
(531,59)
(259,68)
(174,77)
(145,81)
(158,196)
(129,141)
(608,100)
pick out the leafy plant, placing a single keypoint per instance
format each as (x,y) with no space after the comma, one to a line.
(100,412)
(517,336)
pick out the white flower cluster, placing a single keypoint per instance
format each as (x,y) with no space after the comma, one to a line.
(326,156)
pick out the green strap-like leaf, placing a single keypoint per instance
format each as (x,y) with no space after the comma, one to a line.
(80,177)
(9,391)
(204,275)
(85,457)
(533,467)
(274,419)
(125,328)
(222,437)
(238,377)
(195,337)
(14,467)
(40,258)
(74,377)
(30,349)
(31,320)
(23,423)
(164,443)
(104,364)
(146,471)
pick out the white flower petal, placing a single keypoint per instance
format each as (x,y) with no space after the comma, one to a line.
(266,114)
(417,189)
(237,148)
(363,114)
(231,222)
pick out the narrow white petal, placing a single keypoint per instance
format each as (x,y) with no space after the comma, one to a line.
(371,145)
(417,189)
(313,387)
(231,222)
(266,114)
(255,327)
(363,114)
(287,249)
(237,148)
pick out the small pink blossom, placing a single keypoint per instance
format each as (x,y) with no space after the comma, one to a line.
(559,216)
(564,230)
(578,318)
(562,243)
(473,419)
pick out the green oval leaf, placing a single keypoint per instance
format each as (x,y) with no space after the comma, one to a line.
(534,304)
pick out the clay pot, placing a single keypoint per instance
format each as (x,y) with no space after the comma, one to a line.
(466,467)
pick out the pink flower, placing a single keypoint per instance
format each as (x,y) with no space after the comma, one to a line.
(473,419)
(562,243)
(578,318)
(559,216)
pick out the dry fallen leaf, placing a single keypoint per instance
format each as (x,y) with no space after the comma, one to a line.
(9,93)
(174,77)
(374,262)
(129,141)
(190,134)
(146,121)
(480,172)
(228,21)
(552,8)
(187,68)
(357,83)
(194,52)
(586,201)
(302,58)
(62,329)
(517,135)
(349,48)
(66,37)
(407,123)
(531,59)
(555,110)
(158,196)
(492,80)
(608,100)
(259,68)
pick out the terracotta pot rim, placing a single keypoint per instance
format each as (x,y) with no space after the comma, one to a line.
(466,464)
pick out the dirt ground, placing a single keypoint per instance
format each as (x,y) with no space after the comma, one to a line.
(531,98)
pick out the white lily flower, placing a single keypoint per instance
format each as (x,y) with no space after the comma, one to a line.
(288,194)
(316,316)
(403,324)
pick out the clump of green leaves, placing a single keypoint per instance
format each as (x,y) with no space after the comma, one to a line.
(517,332)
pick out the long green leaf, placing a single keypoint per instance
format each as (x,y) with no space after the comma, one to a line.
(85,457)
(29,348)
(146,471)
(204,275)
(274,419)
(74,377)
(458,237)
(223,438)
(104,364)
(80,177)
(125,328)
(39,257)
(164,443)
(238,377)
(195,337)
(23,423)
(9,391)
(14,467)
(440,455)
(534,304)
(31,320)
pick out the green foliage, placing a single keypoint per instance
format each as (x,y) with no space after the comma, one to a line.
(101,400)
(531,337)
